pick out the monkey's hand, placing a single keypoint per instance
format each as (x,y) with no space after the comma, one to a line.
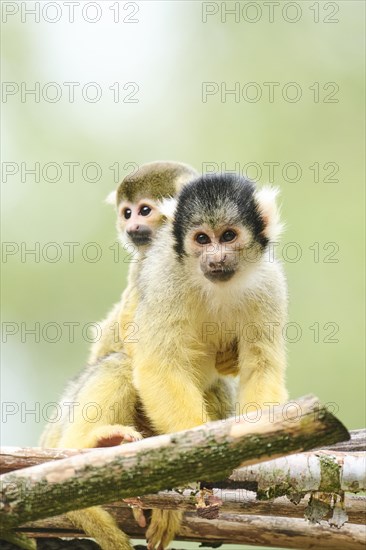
(163,527)
(111,435)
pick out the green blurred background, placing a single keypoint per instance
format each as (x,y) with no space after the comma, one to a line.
(169,52)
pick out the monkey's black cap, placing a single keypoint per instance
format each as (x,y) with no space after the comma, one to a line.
(217,199)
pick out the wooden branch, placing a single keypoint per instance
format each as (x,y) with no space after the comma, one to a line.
(14,458)
(253,530)
(356,443)
(292,476)
(276,532)
(212,450)
(324,471)
(238,501)
(273,478)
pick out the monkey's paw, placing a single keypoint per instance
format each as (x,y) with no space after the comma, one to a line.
(163,527)
(114,434)
(137,511)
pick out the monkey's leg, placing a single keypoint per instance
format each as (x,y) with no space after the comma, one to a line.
(163,527)
(105,398)
(106,390)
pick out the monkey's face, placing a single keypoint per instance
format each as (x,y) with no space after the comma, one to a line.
(218,250)
(222,226)
(138,221)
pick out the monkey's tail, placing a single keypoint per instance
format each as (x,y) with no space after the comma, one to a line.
(100,525)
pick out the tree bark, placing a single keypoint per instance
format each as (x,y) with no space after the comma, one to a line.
(356,443)
(14,458)
(253,530)
(247,489)
(238,501)
(212,450)
(325,471)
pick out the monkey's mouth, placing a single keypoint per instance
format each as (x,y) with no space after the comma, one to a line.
(219,275)
(140,239)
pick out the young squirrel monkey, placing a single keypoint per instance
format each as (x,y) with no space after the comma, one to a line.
(138,219)
(107,380)
(208,283)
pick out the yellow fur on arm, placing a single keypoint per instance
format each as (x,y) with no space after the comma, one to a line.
(262,379)
(164,382)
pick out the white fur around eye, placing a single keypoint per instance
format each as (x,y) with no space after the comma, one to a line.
(167,207)
(266,200)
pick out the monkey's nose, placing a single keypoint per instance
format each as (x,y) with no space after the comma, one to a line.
(133,228)
(217,264)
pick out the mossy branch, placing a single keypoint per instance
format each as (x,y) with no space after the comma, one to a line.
(209,451)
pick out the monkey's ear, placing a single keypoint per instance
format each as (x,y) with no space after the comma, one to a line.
(111,198)
(167,207)
(266,201)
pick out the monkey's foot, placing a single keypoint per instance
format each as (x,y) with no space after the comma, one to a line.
(139,516)
(137,511)
(163,527)
(114,434)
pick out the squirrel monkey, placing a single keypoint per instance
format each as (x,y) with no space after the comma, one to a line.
(107,380)
(208,283)
(138,219)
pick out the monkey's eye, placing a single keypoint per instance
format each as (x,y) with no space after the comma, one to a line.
(228,236)
(145,210)
(127,213)
(202,238)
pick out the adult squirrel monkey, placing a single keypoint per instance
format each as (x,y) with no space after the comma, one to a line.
(208,283)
